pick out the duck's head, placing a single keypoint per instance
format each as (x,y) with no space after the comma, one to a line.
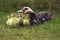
(12,15)
(25,10)
(18,15)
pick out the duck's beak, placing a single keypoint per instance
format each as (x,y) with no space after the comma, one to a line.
(19,11)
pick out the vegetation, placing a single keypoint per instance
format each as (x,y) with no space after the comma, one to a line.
(14,5)
(47,31)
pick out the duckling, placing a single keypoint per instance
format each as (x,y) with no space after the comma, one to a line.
(11,21)
(19,19)
(26,20)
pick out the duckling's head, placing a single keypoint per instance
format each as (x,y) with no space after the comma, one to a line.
(19,15)
(12,15)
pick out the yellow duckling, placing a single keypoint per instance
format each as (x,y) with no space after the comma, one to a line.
(11,21)
(19,18)
(26,20)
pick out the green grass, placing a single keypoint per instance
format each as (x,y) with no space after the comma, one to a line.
(47,31)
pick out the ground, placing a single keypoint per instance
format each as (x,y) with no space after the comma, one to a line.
(47,31)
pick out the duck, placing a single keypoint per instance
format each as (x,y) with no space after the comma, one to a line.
(11,20)
(26,20)
(44,16)
(19,19)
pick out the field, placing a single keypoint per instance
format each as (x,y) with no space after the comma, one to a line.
(46,31)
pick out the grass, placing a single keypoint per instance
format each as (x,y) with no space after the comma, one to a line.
(47,31)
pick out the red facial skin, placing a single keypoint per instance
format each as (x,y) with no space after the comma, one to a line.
(23,10)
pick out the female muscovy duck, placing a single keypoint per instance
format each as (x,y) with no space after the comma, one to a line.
(40,17)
